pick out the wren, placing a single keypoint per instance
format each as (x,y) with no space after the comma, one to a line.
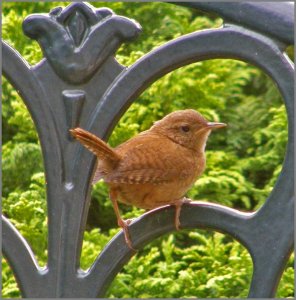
(155,168)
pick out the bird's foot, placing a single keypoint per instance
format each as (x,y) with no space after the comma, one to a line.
(124,225)
(185,200)
(128,221)
(178,205)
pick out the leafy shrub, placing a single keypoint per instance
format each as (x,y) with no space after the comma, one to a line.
(203,269)
(243,161)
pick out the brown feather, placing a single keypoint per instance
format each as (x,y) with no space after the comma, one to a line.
(140,164)
(95,144)
(156,167)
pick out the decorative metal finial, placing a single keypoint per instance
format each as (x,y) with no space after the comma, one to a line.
(77,40)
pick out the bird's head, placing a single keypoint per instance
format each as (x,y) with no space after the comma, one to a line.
(187,128)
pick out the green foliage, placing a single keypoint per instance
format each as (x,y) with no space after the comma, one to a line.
(94,242)
(243,161)
(20,160)
(15,117)
(9,286)
(286,285)
(27,211)
(203,269)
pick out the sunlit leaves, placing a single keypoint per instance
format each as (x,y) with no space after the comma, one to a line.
(243,160)
(203,269)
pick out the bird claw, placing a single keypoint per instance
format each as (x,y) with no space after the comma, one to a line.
(177,224)
(178,205)
(185,200)
(124,225)
(128,221)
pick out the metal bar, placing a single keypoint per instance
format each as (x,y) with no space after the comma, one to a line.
(79,82)
(275,19)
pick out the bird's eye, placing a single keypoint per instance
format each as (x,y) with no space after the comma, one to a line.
(185,128)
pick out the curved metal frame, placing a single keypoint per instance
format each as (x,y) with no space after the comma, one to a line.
(78,100)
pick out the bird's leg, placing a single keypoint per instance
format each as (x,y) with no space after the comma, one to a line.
(121,223)
(178,205)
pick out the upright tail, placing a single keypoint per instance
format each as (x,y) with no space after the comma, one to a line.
(95,144)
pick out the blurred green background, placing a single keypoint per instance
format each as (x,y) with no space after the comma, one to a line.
(243,161)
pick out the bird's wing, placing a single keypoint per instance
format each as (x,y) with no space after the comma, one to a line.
(157,161)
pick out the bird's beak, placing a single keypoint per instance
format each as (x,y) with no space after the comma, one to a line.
(214,125)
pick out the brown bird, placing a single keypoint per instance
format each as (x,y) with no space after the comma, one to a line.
(155,168)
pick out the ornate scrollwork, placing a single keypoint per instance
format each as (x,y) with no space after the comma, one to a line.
(77,40)
(80,40)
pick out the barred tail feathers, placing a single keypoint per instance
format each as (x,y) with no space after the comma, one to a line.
(95,144)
